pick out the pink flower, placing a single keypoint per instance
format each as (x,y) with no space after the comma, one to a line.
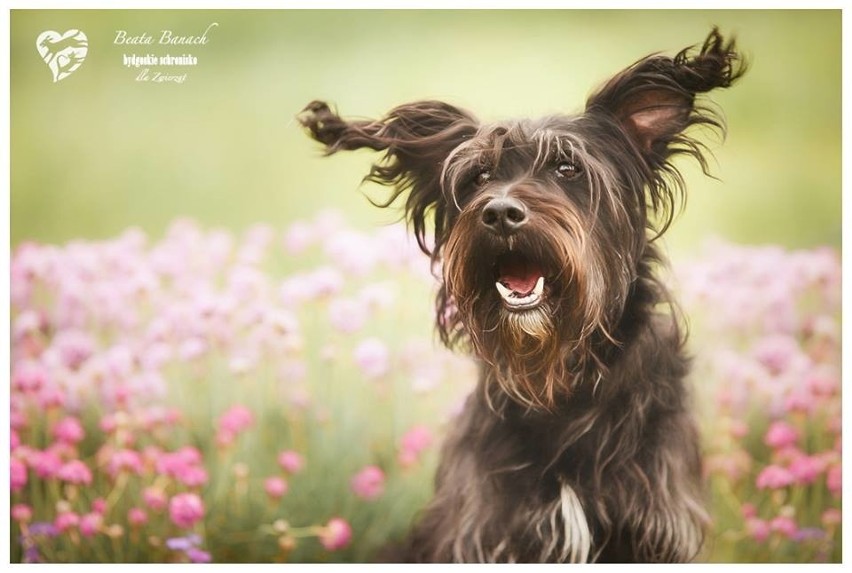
(784,525)
(758,529)
(805,469)
(154,498)
(124,460)
(347,315)
(45,463)
(781,435)
(22,513)
(183,465)
(186,509)
(29,377)
(291,462)
(773,477)
(336,534)
(298,237)
(17,474)
(748,510)
(75,472)
(372,357)
(137,517)
(232,422)
(417,439)
(66,520)
(68,430)
(275,487)
(834,480)
(193,476)
(192,348)
(99,505)
(369,483)
(831,516)
(90,524)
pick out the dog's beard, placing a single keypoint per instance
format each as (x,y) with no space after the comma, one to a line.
(527,344)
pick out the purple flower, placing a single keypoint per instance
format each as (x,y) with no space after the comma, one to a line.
(183,543)
(197,555)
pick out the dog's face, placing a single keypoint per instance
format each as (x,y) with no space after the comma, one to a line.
(541,226)
(541,244)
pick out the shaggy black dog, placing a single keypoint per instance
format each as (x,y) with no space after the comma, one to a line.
(578,444)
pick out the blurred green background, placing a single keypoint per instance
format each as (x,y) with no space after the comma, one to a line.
(99,151)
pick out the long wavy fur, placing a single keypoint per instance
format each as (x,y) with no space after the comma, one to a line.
(578,444)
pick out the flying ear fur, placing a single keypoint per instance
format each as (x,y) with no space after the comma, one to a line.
(416,137)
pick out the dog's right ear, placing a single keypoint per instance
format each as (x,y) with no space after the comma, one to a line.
(417,138)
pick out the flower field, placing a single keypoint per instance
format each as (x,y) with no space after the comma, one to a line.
(280,396)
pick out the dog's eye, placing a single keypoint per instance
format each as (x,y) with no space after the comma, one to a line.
(482,177)
(567,170)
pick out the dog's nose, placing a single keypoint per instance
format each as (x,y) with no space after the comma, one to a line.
(504,215)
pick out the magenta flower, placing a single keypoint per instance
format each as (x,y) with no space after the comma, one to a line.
(154,498)
(786,526)
(291,462)
(780,435)
(831,517)
(192,476)
(197,555)
(124,460)
(748,510)
(186,509)
(17,474)
(413,443)
(46,464)
(137,517)
(369,483)
(21,513)
(834,480)
(372,357)
(75,472)
(66,520)
(806,469)
(235,420)
(275,487)
(68,430)
(336,534)
(757,529)
(90,524)
(99,505)
(773,477)
(183,465)
(29,377)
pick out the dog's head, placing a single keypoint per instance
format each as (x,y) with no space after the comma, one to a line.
(542,225)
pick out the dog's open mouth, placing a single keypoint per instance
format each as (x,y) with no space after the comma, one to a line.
(520,281)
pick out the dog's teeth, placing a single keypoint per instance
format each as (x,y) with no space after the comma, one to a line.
(504,292)
(539,287)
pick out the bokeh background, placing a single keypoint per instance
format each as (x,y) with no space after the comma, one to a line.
(99,151)
(221,351)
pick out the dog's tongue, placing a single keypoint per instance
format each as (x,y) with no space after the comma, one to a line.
(518,274)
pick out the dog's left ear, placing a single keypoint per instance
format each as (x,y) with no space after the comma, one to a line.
(416,137)
(654,99)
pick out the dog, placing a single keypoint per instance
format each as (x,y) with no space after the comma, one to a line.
(578,444)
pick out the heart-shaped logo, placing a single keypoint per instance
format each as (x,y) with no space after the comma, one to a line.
(63,53)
